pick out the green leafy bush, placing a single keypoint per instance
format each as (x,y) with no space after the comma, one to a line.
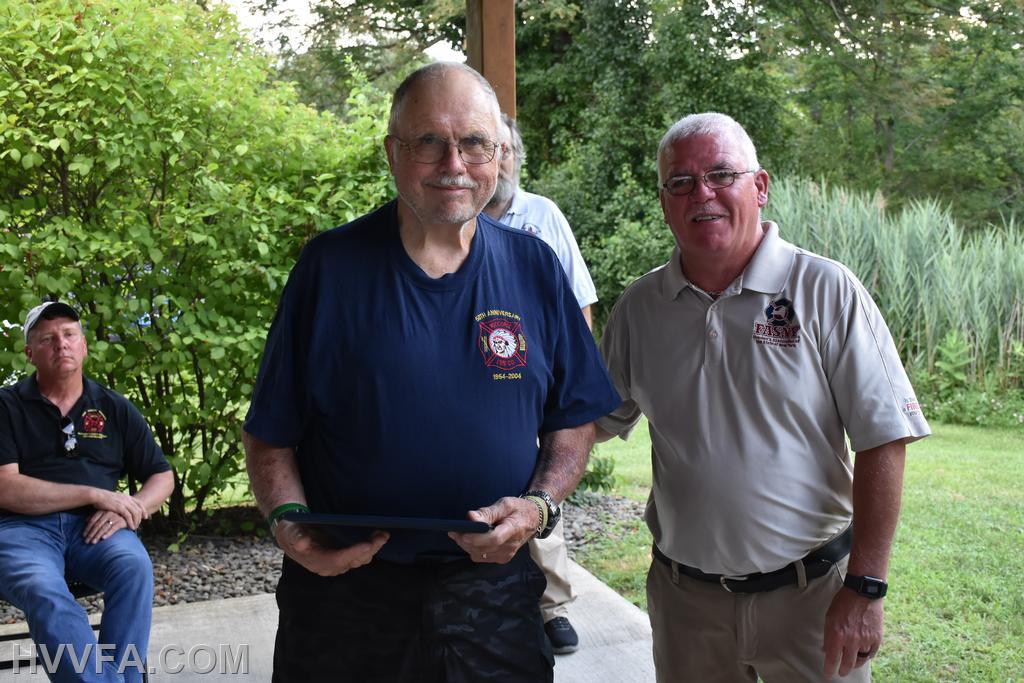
(599,477)
(152,174)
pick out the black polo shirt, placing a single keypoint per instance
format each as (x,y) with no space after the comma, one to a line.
(112,438)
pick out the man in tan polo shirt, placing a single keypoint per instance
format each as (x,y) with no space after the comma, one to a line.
(753,361)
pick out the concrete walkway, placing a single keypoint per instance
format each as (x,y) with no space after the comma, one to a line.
(234,639)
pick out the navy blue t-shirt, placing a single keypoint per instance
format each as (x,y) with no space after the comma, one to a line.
(408,395)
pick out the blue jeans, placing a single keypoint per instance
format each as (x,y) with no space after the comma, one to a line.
(37,552)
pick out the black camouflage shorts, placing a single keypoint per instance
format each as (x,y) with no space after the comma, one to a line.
(449,622)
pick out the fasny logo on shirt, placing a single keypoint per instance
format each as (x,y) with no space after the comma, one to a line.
(911,406)
(779,327)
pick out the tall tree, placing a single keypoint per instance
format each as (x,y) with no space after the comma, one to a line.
(916,97)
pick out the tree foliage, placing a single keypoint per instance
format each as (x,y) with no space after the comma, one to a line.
(594,111)
(915,97)
(918,98)
(386,38)
(151,174)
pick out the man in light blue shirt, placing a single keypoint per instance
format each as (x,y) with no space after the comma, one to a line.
(541,217)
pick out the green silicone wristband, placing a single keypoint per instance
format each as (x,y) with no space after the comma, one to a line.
(276,513)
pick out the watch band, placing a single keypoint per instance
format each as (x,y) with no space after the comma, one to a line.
(552,512)
(866,586)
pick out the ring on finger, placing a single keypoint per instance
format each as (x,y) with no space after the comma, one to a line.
(483,556)
(110,523)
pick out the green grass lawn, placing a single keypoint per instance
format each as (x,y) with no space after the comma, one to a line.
(955,610)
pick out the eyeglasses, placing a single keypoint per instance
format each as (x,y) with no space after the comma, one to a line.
(70,442)
(430,149)
(681,185)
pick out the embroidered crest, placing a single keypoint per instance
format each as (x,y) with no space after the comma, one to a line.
(779,327)
(93,421)
(502,343)
(531,228)
(93,424)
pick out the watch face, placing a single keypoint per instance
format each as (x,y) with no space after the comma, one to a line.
(554,515)
(867,586)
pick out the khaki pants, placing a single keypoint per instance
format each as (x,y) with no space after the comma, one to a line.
(704,633)
(550,555)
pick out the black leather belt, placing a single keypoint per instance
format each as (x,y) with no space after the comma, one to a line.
(816,564)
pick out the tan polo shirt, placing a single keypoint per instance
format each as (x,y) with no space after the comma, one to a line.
(749,399)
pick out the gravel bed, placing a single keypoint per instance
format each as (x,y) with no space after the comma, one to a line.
(220,560)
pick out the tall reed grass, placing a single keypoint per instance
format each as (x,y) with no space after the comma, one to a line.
(929,276)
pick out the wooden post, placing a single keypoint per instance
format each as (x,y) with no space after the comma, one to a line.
(491,46)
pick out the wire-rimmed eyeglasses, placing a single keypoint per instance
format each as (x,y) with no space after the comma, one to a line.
(430,149)
(682,185)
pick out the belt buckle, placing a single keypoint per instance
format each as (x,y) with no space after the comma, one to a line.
(724,579)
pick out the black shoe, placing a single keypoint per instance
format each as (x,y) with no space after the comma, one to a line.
(562,636)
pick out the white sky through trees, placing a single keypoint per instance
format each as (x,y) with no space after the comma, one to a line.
(262,28)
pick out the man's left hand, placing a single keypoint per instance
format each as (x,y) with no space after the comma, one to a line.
(102,525)
(853,632)
(515,522)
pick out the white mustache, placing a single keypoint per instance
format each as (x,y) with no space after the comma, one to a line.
(454,181)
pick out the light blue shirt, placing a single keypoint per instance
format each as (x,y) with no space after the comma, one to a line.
(542,217)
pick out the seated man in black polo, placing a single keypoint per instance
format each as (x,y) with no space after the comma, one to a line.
(65,441)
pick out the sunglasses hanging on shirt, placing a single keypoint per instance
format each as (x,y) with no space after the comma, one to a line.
(70,442)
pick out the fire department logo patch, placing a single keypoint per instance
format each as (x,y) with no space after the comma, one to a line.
(779,327)
(93,424)
(502,343)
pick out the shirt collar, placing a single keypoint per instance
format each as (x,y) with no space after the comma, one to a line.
(28,389)
(672,279)
(766,272)
(518,205)
(770,266)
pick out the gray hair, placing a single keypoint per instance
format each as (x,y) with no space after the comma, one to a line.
(515,141)
(709,123)
(434,71)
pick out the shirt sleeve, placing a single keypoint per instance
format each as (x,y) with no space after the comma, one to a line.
(873,394)
(142,455)
(277,412)
(615,349)
(581,391)
(569,255)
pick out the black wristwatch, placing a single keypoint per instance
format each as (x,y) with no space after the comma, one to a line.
(553,509)
(867,586)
